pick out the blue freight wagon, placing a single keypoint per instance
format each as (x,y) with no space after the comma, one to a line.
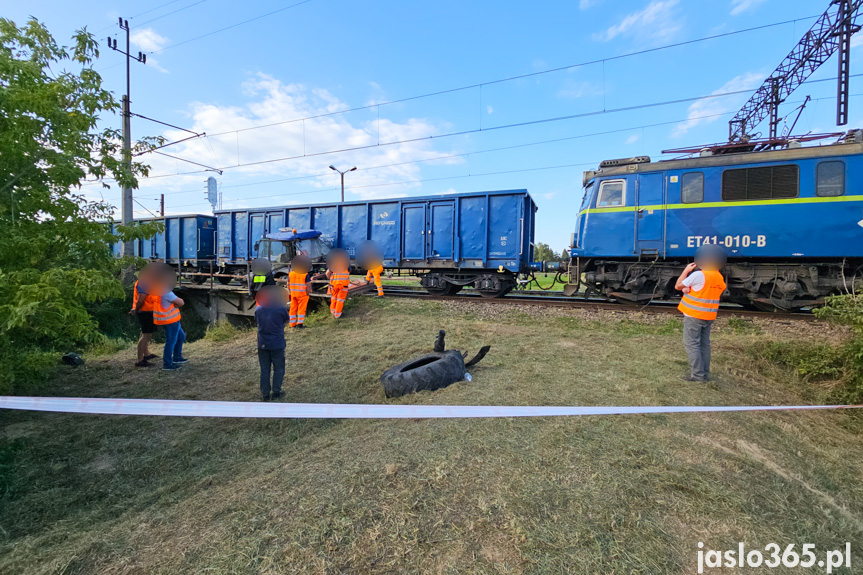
(188,241)
(789,220)
(482,239)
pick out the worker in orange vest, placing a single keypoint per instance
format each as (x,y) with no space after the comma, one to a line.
(167,314)
(699,305)
(370,256)
(338,264)
(375,272)
(143,304)
(299,285)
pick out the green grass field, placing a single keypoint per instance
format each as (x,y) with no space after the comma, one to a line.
(86,494)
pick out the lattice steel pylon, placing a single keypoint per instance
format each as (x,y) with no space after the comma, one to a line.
(831,33)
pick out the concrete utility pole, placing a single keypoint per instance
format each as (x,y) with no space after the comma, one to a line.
(127,211)
(342,174)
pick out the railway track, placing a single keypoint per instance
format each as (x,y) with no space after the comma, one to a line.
(540,298)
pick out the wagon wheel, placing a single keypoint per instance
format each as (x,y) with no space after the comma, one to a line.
(495,293)
(224,280)
(768,307)
(444,291)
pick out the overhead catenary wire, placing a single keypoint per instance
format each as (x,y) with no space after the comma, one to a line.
(447,156)
(231,26)
(206,168)
(520,76)
(170,13)
(462,154)
(108,27)
(507,79)
(471,131)
(463,176)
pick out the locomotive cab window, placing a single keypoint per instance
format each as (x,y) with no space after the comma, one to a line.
(588,194)
(692,188)
(830,179)
(611,193)
(767,183)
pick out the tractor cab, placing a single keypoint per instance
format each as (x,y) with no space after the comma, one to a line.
(281,247)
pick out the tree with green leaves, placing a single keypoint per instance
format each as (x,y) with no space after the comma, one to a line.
(543,253)
(55,255)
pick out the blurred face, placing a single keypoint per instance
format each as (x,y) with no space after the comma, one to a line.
(301,264)
(338,260)
(148,273)
(162,277)
(369,255)
(271,296)
(710,257)
(261,266)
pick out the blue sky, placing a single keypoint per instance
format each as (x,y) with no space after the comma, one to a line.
(325,56)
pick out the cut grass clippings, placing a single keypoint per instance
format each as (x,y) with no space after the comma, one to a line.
(618,494)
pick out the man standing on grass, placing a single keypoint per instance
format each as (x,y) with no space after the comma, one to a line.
(167,314)
(699,305)
(271,316)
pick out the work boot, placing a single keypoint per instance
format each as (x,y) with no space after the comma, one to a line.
(265,397)
(276,396)
(150,356)
(143,363)
(690,378)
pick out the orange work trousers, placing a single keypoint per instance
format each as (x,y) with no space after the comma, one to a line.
(376,274)
(337,301)
(297,311)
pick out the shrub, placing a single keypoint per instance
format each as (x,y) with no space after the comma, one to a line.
(221,331)
(823,362)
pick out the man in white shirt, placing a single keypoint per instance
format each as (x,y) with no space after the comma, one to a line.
(700,303)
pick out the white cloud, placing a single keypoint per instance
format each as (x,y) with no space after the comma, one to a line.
(656,21)
(489,109)
(740,6)
(549,195)
(272,102)
(633,139)
(148,40)
(585,4)
(856,40)
(712,106)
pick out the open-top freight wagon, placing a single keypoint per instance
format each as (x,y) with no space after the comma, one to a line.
(482,239)
(188,242)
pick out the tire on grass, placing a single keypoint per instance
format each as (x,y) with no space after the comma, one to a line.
(427,372)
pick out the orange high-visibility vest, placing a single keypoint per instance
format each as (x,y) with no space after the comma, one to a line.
(297,283)
(164,315)
(340,279)
(374,272)
(149,300)
(704,303)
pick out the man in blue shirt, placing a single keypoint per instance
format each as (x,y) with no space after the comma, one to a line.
(271,315)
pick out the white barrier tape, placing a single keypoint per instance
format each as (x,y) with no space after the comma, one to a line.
(186,408)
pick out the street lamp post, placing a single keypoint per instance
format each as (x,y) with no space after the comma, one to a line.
(342,174)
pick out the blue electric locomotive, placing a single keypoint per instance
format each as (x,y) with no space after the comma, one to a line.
(791,221)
